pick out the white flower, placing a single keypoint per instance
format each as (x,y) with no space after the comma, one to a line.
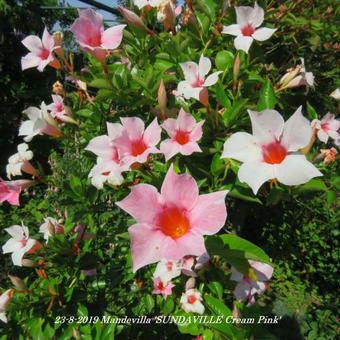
(191,301)
(166,270)
(5,298)
(142,3)
(336,94)
(195,78)
(271,151)
(246,30)
(18,160)
(46,230)
(327,128)
(18,244)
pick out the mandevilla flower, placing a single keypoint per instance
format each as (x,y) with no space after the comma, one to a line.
(271,151)
(50,227)
(167,13)
(20,162)
(109,165)
(162,287)
(40,122)
(328,155)
(19,243)
(5,299)
(184,134)
(136,143)
(41,52)
(327,128)
(195,83)
(246,30)
(191,301)
(253,283)
(10,190)
(59,110)
(91,36)
(336,94)
(142,3)
(171,224)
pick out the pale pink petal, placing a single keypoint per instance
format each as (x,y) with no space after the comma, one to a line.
(185,121)
(112,37)
(297,131)
(169,148)
(243,14)
(243,43)
(179,190)
(241,291)
(263,33)
(204,66)
(235,275)
(13,197)
(114,130)
(267,125)
(197,132)
(17,232)
(33,44)
(295,170)
(11,246)
(263,271)
(101,146)
(170,125)
(29,61)
(44,63)
(143,203)
(147,245)
(47,40)
(212,79)
(323,136)
(255,174)
(152,134)
(257,16)
(209,214)
(232,30)
(192,92)
(243,147)
(189,148)
(190,70)
(134,127)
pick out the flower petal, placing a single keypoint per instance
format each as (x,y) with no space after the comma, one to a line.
(152,134)
(263,271)
(170,125)
(134,127)
(29,60)
(204,66)
(11,246)
(169,148)
(257,16)
(232,30)
(17,232)
(112,37)
(209,214)
(114,130)
(185,121)
(190,70)
(47,40)
(212,79)
(243,43)
(33,44)
(297,131)
(197,132)
(295,170)
(189,148)
(255,174)
(263,33)
(101,146)
(243,147)
(243,14)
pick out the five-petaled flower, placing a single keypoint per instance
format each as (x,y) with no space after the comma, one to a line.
(41,52)
(327,128)
(50,227)
(271,152)
(91,36)
(246,30)
(191,301)
(10,190)
(195,83)
(184,134)
(162,287)
(253,283)
(171,224)
(19,243)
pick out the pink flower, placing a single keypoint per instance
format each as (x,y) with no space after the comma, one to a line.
(167,270)
(59,110)
(171,224)
(41,52)
(195,79)
(253,283)
(328,155)
(50,227)
(10,190)
(161,287)
(184,133)
(19,243)
(191,301)
(91,36)
(5,299)
(327,128)
(136,143)
(271,152)
(109,165)
(246,30)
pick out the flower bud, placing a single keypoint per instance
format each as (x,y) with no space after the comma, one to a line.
(17,282)
(190,284)
(28,263)
(58,88)
(162,98)
(58,38)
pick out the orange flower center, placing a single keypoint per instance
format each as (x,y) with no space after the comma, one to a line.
(173,222)
(192,299)
(182,137)
(274,153)
(248,30)
(138,147)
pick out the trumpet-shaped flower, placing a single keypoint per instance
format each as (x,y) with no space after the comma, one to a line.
(327,128)
(59,110)
(41,52)
(271,151)
(5,299)
(89,32)
(19,243)
(253,283)
(50,227)
(246,29)
(184,134)
(109,165)
(20,162)
(136,143)
(40,122)
(171,224)
(195,79)
(191,301)
(10,190)
(162,287)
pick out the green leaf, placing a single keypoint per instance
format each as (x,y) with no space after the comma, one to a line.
(217,165)
(230,115)
(224,60)
(312,114)
(313,185)
(267,97)
(216,306)
(100,84)
(221,96)
(216,288)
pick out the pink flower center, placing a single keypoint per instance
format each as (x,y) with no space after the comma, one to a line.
(138,147)
(182,137)
(248,30)
(198,82)
(160,286)
(115,155)
(93,40)
(274,153)
(44,53)
(169,266)
(192,299)
(325,127)
(173,222)
(59,107)
(23,243)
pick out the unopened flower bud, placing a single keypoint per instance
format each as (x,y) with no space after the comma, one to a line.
(17,282)
(58,88)
(28,263)
(162,98)
(328,155)
(58,38)
(190,284)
